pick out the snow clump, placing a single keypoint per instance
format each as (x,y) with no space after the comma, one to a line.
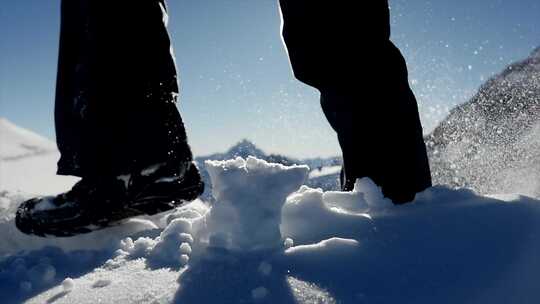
(68,284)
(249,194)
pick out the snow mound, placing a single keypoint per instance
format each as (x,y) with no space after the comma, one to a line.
(249,194)
(337,213)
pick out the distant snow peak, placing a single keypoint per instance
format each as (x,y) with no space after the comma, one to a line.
(244,149)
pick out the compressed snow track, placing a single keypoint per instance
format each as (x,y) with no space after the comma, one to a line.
(448,246)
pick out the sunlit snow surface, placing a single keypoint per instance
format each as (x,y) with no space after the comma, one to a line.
(449,246)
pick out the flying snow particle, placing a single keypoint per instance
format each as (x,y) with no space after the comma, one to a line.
(26,286)
(49,274)
(259,293)
(265,268)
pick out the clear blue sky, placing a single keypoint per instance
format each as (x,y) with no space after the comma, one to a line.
(235,77)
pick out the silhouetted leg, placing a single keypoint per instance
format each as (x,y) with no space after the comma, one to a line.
(116,89)
(407,169)
(342,48)
(350,137)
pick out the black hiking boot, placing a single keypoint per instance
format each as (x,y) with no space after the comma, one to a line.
(94,204)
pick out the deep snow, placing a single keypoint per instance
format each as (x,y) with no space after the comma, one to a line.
(267,239)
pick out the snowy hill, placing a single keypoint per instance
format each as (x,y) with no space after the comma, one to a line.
(493,141)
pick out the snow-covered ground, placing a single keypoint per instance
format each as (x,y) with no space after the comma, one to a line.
(268,239)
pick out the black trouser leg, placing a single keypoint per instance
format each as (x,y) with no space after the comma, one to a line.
(342,48)
(115,106)
(343,121)
(380,136)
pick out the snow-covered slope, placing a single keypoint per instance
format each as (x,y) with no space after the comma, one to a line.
(17,142)
(255,244)
(492,142)
(28,162)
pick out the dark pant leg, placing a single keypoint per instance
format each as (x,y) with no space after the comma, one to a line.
(380,136)
(351,133)
(115,106)
(343,50)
